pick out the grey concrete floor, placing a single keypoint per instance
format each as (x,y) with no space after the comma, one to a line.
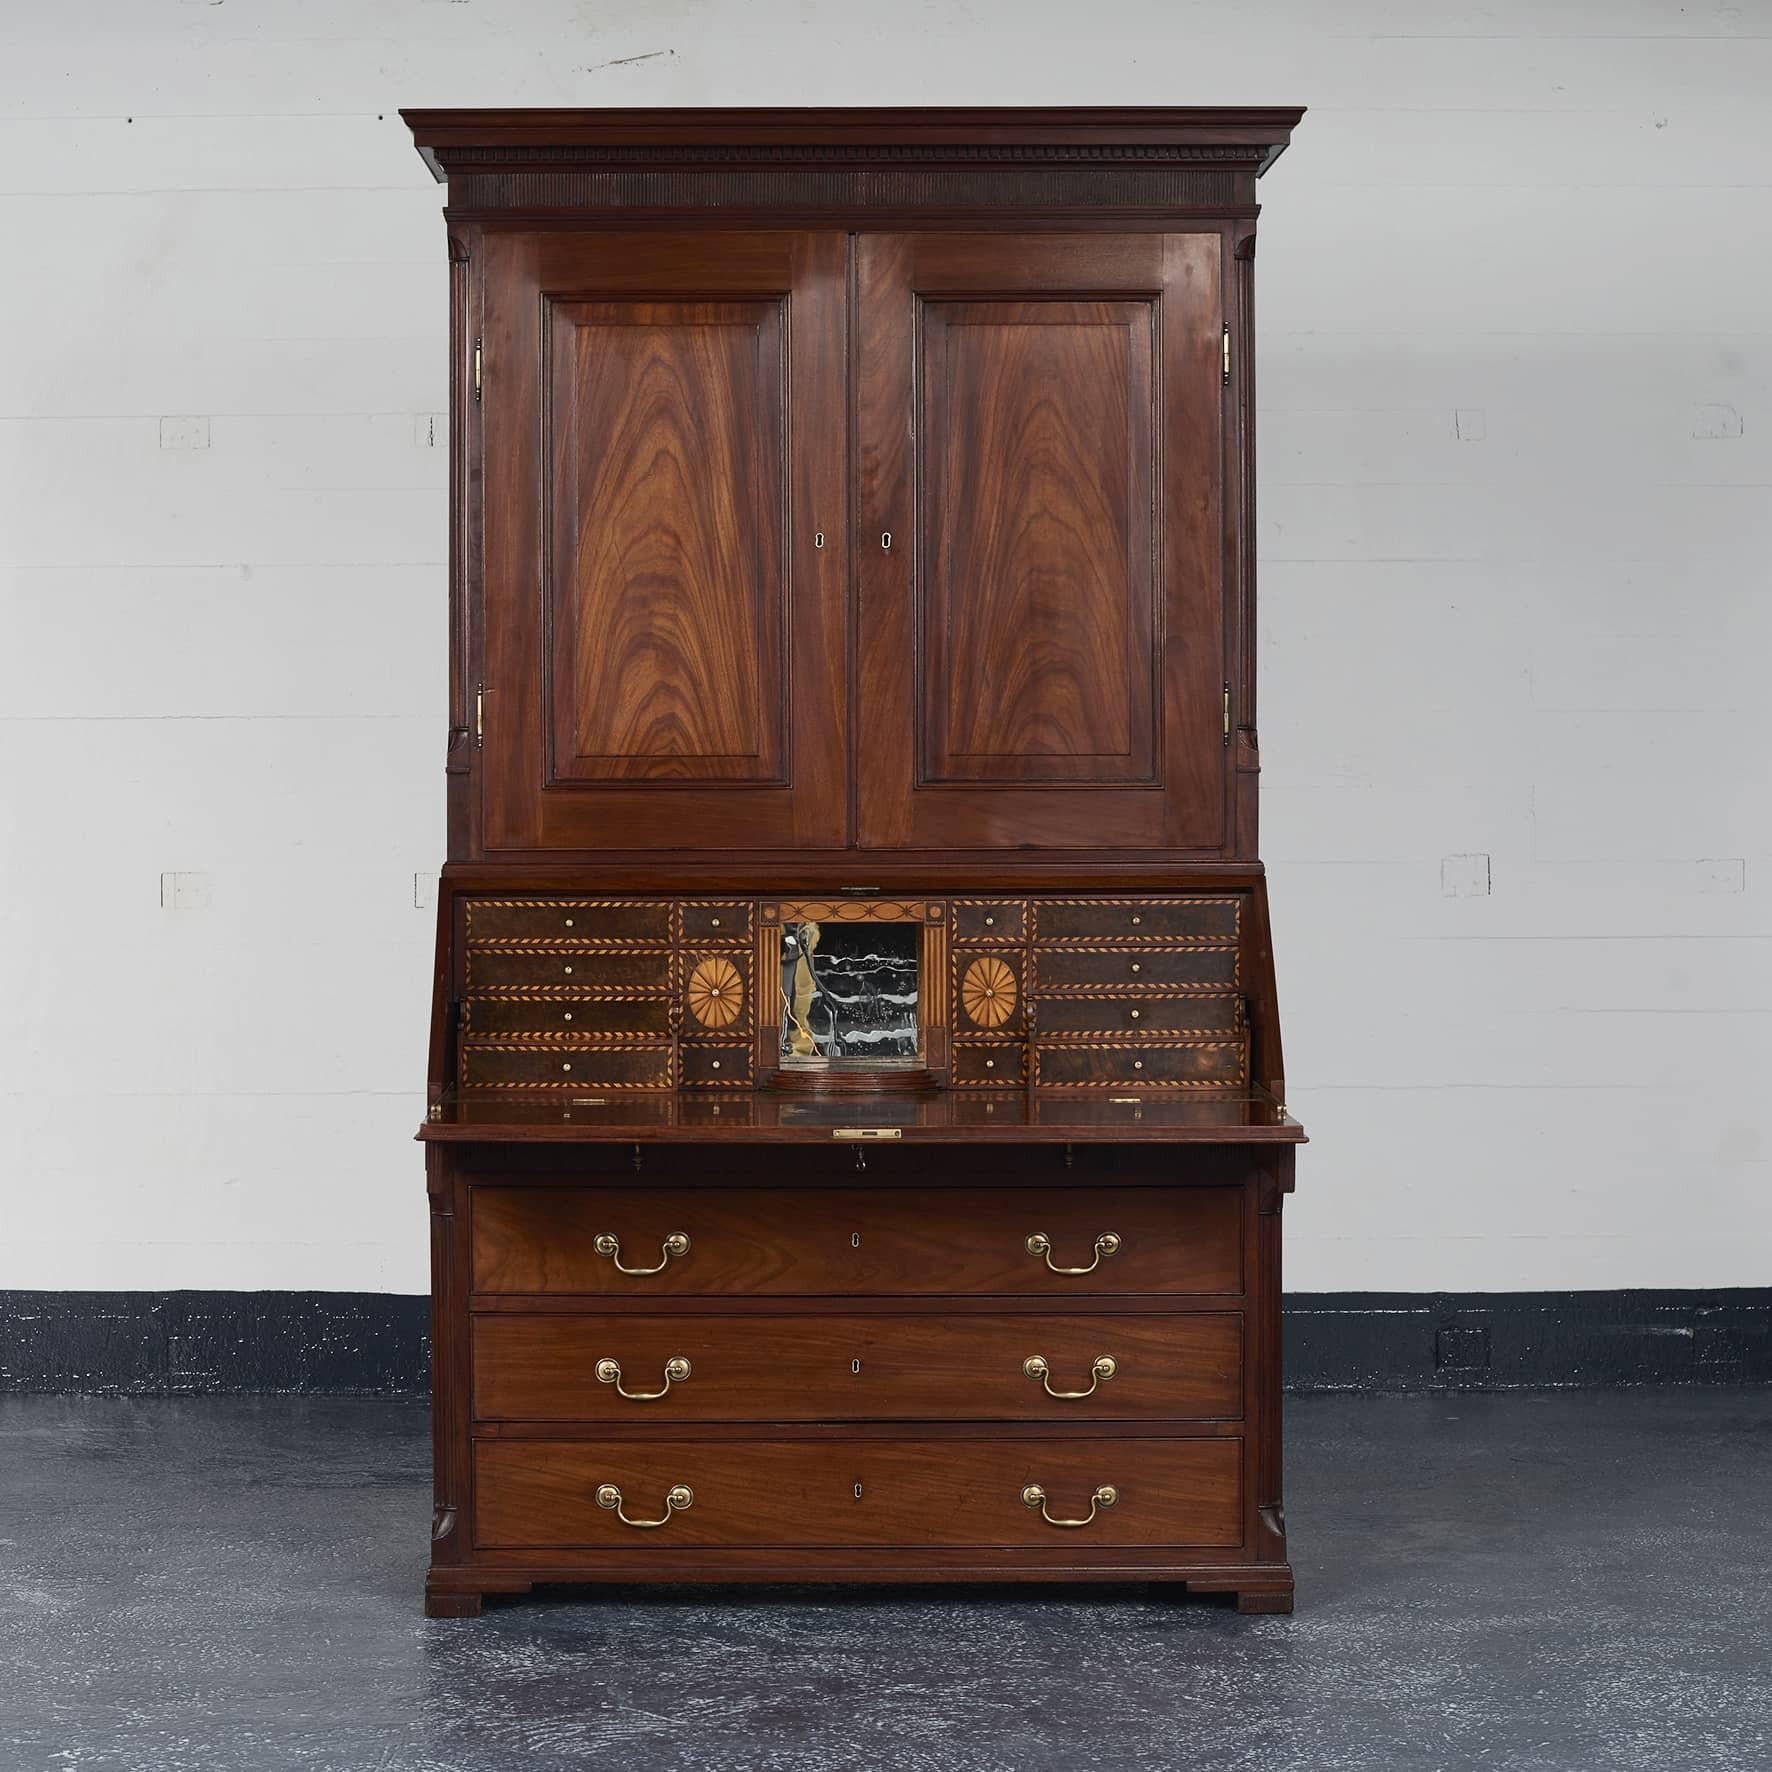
(1485,1582)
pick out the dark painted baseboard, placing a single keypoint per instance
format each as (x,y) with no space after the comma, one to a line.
(1481,1341)
(143,1344)
(378,1343)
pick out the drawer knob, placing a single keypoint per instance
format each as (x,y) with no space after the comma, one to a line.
(1135,1014)
(677,1243)
(1034,1496)
(1041,1244)
(676,1369)
(677,1497)
(1136,967)
(1103,1369)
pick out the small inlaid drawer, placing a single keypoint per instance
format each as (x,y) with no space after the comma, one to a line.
(716,1067)
(1207,1012)
(990,919)
(986,1065)
(670,1491)
(1135,919)
(1088,969)
(495,1066)
(1144,1065)
(570,922)
(664,1366)
(566,973)
(716,922)
(566,1016)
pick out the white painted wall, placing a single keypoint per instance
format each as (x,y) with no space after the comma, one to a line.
(1516,517)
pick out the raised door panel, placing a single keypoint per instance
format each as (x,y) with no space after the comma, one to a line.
(1037,604)
(665,601)
(664,550)
(1041,549)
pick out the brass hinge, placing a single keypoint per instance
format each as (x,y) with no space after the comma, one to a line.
(1227,355)
(477,370)
(866,1132)
(1227,713)
(479,714)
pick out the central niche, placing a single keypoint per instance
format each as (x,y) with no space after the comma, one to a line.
(849,995)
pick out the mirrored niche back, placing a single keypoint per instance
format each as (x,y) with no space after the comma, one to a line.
(849,996)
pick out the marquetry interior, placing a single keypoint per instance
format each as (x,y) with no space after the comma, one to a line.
(1125,994)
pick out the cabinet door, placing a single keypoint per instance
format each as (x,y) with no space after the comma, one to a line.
(664,541)
(1041,640)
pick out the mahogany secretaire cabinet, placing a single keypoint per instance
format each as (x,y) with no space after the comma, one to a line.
(856,1133)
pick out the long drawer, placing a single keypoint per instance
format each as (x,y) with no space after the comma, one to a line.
(646,1367)
(492,1066)
(566,971)
(1134,919)
(569,921)
(1200,1012)
(538,1494)
(1107,1064)
(1132,969)
(825,1241)
(566,1017)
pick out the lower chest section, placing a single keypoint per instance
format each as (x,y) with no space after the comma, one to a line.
(674,1368)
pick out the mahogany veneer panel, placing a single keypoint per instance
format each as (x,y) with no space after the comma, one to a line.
(1039,605)
(853,1241)
(876,1367)
(537,1493)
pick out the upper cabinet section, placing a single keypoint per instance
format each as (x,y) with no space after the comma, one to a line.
(872,481)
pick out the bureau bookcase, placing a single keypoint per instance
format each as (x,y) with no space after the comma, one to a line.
(856,1130)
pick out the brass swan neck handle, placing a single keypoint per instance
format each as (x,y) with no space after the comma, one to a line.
(676,1244)
(677,1497)
(676,1369)
(1034,1496)
(1105,1245)
(1099,1373)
